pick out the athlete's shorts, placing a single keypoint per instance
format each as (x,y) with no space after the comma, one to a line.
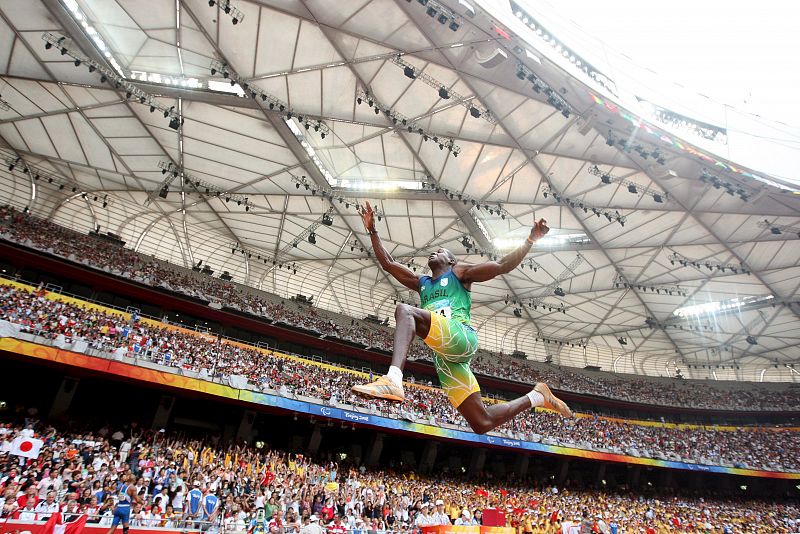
(122,514)
(454,344)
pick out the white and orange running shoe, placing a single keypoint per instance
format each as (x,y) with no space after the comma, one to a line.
(551,401)
(382,388)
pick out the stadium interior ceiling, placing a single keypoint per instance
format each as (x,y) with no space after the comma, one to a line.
(227,142)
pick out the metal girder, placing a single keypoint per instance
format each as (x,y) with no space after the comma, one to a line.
(304,234)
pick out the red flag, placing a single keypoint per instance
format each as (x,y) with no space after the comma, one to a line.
(50,526)
(76,527)
(54,525)
(268,477)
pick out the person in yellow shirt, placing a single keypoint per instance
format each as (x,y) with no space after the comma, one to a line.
(455,513)
(526,525)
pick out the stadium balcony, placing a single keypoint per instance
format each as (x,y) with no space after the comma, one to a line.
(88,264)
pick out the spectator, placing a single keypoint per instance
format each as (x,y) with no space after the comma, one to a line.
(47,507)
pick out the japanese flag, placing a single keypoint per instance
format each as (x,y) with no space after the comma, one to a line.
(26,447)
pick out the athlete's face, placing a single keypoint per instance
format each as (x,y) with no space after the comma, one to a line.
(440,259)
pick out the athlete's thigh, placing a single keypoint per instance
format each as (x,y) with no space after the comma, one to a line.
(422,321)
(451,339)
(456,379)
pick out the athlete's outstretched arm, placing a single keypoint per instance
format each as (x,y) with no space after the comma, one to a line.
(490,269)
(400,272)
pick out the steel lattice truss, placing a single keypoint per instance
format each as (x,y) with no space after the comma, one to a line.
(81,129)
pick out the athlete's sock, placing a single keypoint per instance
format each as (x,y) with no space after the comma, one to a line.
(395,375)
(537,399)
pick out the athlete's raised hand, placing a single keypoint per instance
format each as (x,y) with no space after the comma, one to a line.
(539,230)
(367,216)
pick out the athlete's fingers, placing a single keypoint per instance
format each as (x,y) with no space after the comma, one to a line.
(368,208)
(543,226)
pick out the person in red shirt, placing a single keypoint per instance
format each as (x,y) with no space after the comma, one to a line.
(30,494)
(337,527)
(276,524)
(327,511)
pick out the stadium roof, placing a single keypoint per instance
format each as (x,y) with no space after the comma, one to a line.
(493,156)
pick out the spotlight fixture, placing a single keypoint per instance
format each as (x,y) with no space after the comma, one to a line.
(163,192)
(202,187)
(494,208)
(730,188)
(553,98)
(444,93)
(712,266)
(271,102)
(468,103)
(400,119)
(106,74)
(530,264)
(621,282)
(559,292)
(633,187)
(441,13)
(578,62)
(778,229)
(229,9)
(607,213)
(312,238)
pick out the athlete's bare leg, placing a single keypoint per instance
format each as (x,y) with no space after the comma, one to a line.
(410,321)
(484,418)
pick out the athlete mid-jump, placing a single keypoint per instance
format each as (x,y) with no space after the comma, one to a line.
(443,323)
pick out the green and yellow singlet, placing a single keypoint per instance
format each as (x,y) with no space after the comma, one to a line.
(451,337)
(446,296)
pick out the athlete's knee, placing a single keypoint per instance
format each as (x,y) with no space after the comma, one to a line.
(481,425)
(402,310)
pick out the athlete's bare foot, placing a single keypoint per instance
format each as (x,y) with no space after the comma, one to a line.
(551,401)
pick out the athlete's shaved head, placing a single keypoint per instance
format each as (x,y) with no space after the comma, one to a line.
(441,260)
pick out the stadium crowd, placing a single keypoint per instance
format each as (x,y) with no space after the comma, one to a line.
(185,483)
(78,327)
(48,237)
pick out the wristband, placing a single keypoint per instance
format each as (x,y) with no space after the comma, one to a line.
(529,241)
(372,232)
